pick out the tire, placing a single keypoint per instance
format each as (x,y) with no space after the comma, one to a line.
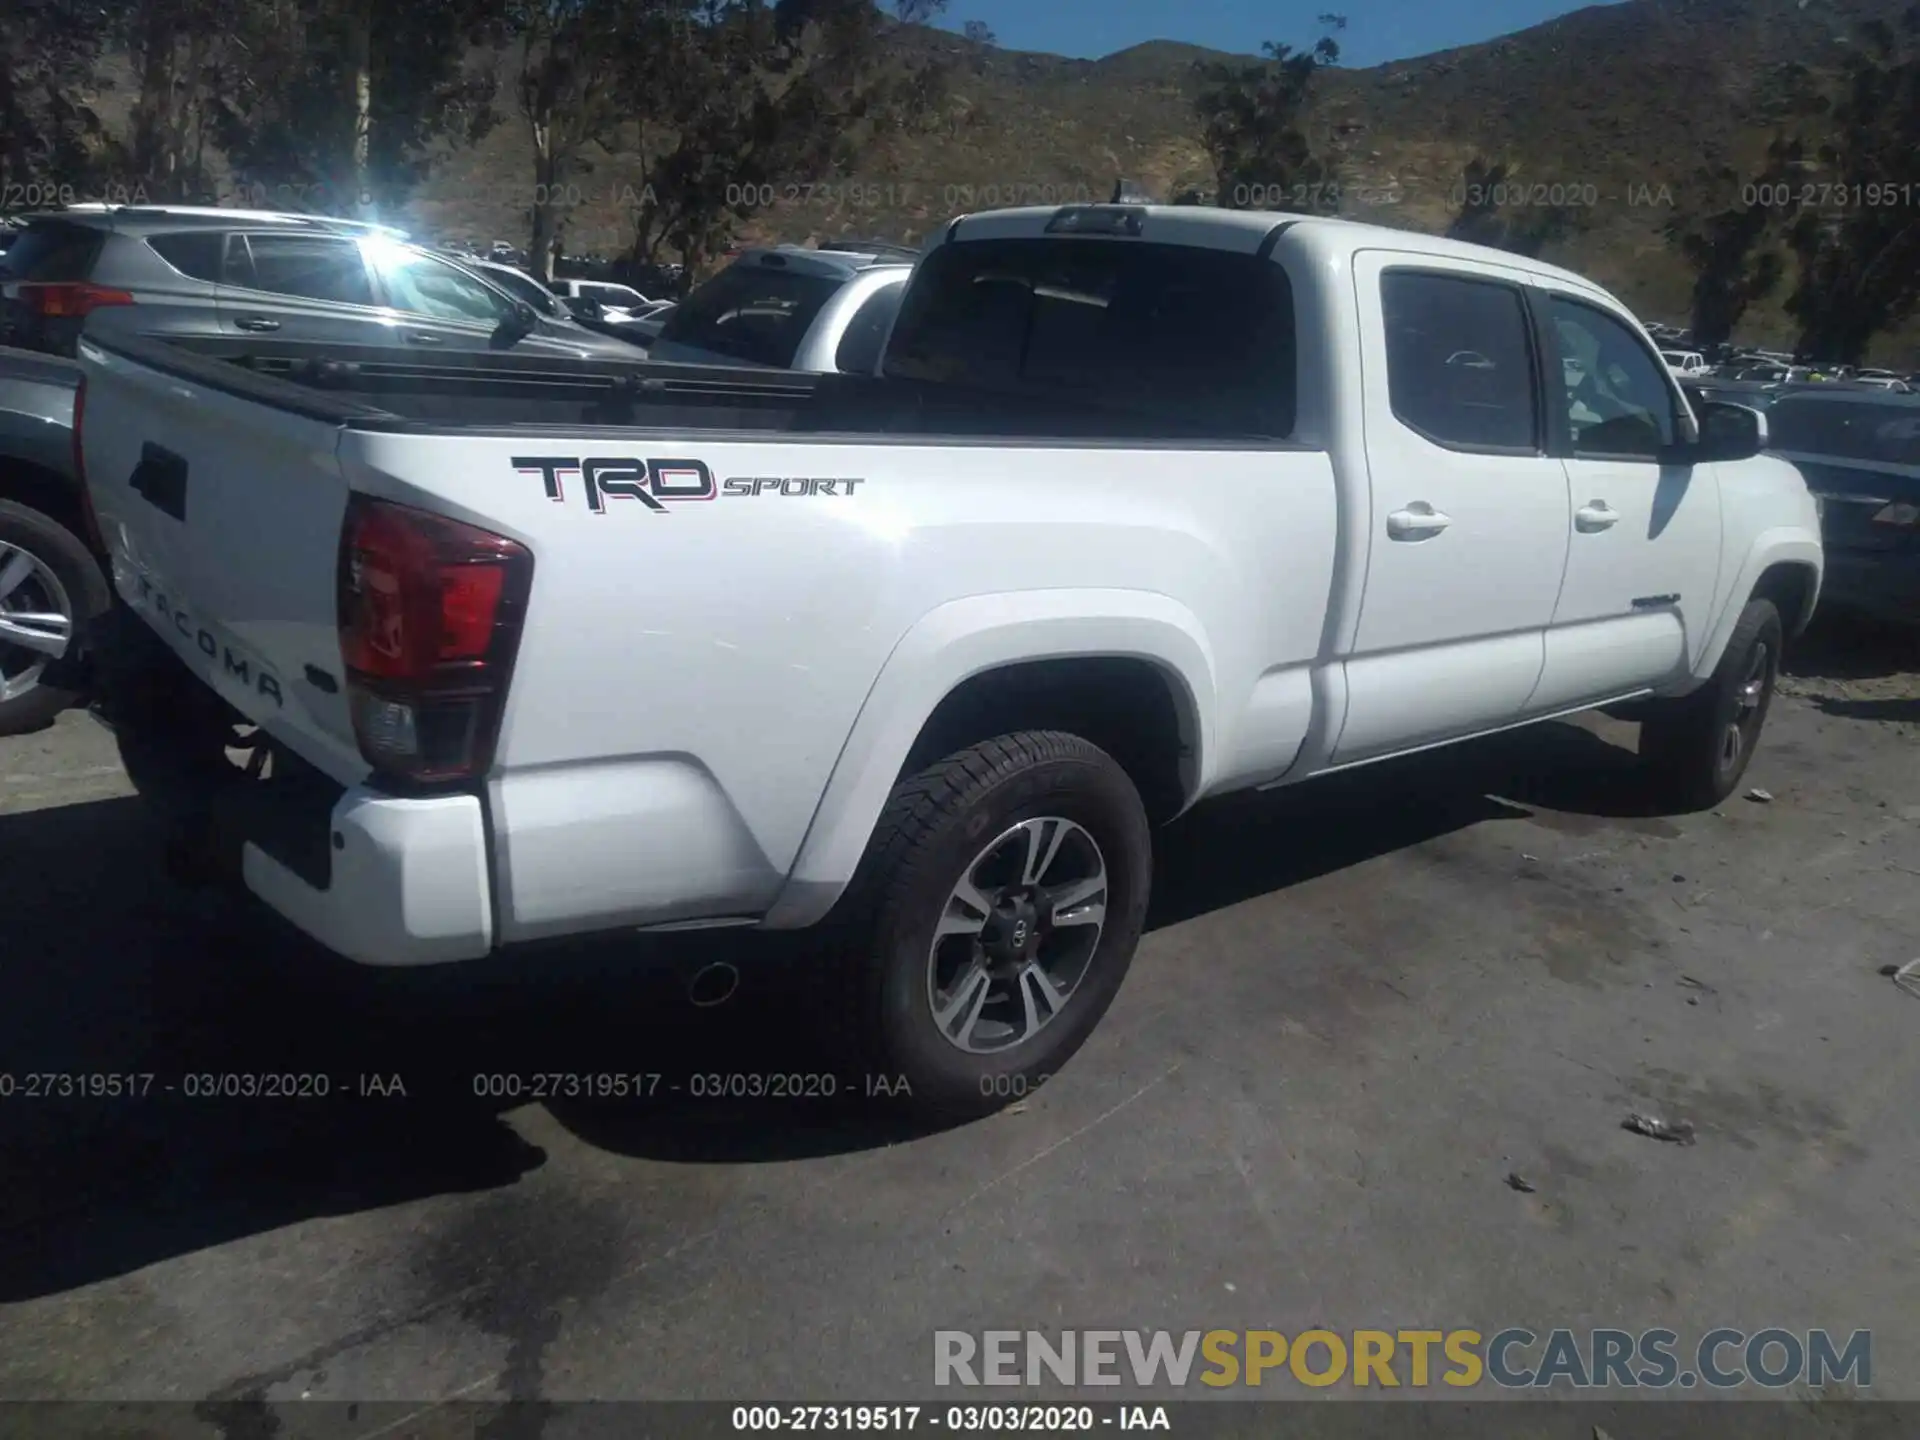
(974,814)
(1697,747)
(45,569)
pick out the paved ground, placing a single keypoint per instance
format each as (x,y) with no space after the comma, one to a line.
(1361,1007)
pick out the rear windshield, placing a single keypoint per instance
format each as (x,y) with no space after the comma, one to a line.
(749,313)
(1886,434)
(1176,339)
(52,251)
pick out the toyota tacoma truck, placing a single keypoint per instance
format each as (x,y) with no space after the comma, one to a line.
(1144,505)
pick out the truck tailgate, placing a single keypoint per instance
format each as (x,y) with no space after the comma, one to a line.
(222,516)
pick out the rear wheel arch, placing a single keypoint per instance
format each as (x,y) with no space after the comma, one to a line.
(54,495)
(961,667)
(1137,710)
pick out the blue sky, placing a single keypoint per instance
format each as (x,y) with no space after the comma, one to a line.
(1377,30)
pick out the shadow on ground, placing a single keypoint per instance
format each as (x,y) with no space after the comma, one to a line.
(1840,645)
(111,972)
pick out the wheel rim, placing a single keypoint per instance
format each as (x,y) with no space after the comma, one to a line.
(1748,698)
(1017,935)
(36,620)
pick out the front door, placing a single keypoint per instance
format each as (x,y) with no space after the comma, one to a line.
(1467,538)
(1643,562)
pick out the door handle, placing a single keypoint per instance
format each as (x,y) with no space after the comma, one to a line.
(1595,515)
(1416,522)
(256,323)
(423,337)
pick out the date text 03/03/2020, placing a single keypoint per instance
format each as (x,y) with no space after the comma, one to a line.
(699,1085)
(965,1419)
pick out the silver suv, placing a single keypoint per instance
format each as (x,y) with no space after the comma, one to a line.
(183,270)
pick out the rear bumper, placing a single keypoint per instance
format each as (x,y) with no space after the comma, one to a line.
(392,882)
(1884,584)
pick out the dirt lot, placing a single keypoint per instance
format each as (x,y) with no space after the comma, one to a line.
(1362,1006)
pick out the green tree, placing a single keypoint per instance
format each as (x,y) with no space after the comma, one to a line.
(318,96)
(50,136)
(1488,215)
(1857,244)
(753,100)
(1253,127)
(1734,248)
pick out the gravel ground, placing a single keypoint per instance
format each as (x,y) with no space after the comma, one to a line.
(1362,1007)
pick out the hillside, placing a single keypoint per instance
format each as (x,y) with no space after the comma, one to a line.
(1610,103)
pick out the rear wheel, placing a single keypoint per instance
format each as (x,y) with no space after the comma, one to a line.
(993,920)
(51,588)
(1697,747)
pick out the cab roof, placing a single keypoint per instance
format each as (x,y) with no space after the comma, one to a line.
(1321,237)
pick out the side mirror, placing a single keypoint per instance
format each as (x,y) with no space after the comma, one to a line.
(1729,432)
(521,322)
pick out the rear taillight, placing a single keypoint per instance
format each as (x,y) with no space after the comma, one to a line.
(68,300)
(430,616)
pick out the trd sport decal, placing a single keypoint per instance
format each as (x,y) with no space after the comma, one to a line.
(658,483)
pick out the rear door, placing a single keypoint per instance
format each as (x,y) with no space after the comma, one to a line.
(300,286)
(1467,539)
(1643,560)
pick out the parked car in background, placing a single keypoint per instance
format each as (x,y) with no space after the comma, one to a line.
(605,293)
(51,583)
(1685,362)
(190,270)
(517,283)
(1860,453)
(218,274)
(789,308)
(1715,390)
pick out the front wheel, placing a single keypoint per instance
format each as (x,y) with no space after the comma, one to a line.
(993,919)
(1697,747)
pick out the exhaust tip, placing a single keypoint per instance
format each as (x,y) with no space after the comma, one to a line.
(713,984)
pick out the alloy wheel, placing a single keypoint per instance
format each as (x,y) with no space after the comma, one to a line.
(1017,935)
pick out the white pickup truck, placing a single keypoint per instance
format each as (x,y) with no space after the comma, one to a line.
(1146,505)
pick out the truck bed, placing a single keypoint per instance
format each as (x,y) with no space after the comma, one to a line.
(389,390)
(698,687)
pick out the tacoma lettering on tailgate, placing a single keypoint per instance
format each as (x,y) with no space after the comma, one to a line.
(237,665)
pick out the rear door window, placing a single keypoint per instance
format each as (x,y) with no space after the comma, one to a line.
(311,267)
(194,253)
(1177,341)
(751,313)
(1460,360)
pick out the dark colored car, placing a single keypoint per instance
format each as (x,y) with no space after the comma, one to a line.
(1860,453)
(183,270)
